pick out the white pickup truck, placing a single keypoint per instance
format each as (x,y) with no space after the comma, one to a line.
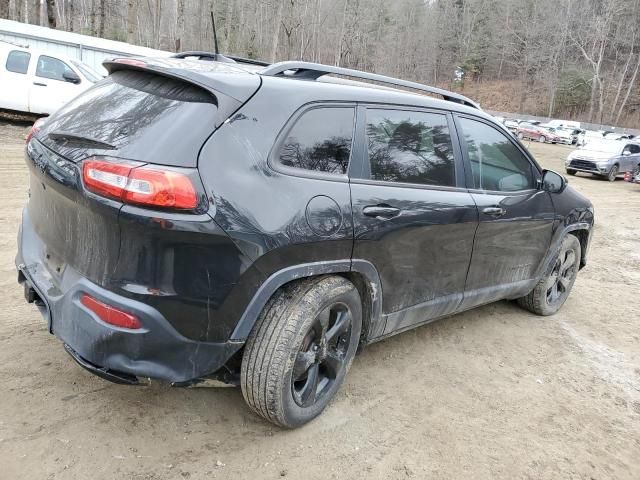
(40,82)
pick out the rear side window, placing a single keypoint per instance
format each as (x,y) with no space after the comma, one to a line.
(49,67)
(320,141)
(496,163)
(18,61)
(410,147)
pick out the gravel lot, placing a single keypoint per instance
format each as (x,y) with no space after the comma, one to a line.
(492,393)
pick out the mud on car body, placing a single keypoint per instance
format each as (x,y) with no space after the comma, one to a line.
(193,219)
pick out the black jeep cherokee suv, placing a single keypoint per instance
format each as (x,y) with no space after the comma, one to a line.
(192,219)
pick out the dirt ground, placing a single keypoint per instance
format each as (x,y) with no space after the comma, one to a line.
(492,393)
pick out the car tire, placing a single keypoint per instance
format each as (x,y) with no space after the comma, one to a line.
(300,349)
(571,171)
(553,289)
(613,173)
(542,139)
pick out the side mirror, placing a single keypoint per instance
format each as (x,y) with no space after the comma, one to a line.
(71,77)
(626,153)
(553,182)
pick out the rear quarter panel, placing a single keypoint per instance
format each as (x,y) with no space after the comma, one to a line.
(264,211)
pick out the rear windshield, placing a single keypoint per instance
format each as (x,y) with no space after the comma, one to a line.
(139,116)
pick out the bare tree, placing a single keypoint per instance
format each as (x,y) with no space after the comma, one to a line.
(51,13)
(4,8)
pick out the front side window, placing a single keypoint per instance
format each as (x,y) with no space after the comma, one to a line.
(18,61)
(496,163)
(49,67)
(632,149)
(410,147)
(320,141)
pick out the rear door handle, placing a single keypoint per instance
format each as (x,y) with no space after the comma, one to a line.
(40,84)
(494,211)
(381,211)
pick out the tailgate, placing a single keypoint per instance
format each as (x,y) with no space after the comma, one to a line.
(77,229)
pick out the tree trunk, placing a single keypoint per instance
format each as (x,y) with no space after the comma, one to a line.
(132,15)
(37,12)
(4,9)
(72,14)
(101,18)
(179,25)
(92,18)
(629,87)
(51,13)
(276,32)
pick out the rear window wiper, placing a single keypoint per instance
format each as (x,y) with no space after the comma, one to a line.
(74,137)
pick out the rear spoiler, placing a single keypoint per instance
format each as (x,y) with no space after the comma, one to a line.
(231,87)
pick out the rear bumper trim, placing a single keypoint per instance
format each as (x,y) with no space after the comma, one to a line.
(105,373)
(156,351)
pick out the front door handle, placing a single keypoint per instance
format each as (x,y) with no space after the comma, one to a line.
(494,211)
(381,211)
(40,84)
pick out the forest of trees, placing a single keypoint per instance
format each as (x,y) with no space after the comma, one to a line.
(571,58)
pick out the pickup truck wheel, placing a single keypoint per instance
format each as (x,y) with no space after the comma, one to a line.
(300,349)
(613,173)
(552,291)
(571,171)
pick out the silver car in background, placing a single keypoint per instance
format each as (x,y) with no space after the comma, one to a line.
(606,158)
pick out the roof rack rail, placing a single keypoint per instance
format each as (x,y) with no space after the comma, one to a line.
(313,71)
(218,57)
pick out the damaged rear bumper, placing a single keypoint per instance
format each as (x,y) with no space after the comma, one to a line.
(154,351)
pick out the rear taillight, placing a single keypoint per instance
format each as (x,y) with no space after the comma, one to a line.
(109,314)
(34,129)
(148,186)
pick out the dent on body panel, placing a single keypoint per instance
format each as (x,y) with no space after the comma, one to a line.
(264,210)
(512,247)
(422,254)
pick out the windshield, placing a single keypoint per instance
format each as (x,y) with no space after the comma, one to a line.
(89,73)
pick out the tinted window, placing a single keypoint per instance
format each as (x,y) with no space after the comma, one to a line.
(410,147)
(49,67)
(143,116)
(320,141)
(633,149)
(496,163)
(18,61)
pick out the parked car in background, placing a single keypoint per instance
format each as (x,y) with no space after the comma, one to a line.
(563,123)
(564,134)
(618,136)
(511,124)
(587,136)
(529,131)
(196,219)
(606,158)
(38,82)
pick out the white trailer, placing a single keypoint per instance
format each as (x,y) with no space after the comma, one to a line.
(90,50)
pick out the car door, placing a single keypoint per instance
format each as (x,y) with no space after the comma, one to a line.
(14,80)
(629,161)
(515,215)
(413,220)
(50,89)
